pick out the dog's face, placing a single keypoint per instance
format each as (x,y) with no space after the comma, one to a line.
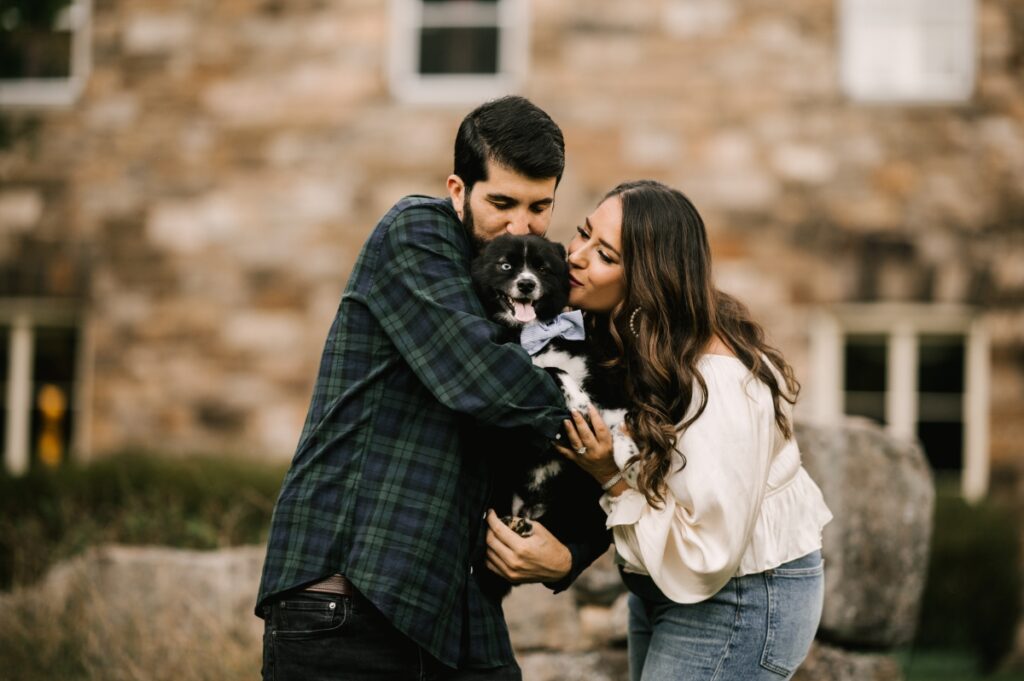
(522,279)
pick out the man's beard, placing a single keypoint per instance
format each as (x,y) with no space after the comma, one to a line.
(467,221)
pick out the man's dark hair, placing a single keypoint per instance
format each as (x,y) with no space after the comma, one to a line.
(514,133)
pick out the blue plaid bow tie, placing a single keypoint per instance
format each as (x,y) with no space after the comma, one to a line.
(567,325)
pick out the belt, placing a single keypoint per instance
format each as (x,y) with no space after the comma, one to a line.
(335,584)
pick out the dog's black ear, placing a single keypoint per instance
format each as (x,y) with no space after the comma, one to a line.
(561,250)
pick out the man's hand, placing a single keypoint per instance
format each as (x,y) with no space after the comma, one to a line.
(537,558)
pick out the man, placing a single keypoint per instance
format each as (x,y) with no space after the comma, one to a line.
(381,519)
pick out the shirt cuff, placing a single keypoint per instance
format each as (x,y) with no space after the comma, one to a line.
(624,509)
(574,570)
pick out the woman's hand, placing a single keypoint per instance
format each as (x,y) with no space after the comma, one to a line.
(591,445)
(537,558)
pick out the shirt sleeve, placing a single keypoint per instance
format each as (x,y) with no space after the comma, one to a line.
(692,545)
(423,297)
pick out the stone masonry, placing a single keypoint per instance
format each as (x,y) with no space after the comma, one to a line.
(204,200)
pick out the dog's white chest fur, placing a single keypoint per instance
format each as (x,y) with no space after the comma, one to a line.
(575,369)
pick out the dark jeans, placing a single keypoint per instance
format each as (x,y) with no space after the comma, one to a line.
(323,637)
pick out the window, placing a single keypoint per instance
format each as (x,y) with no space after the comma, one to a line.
(44,51)
(907,50)
(919,370)
(457,50)
(40,345)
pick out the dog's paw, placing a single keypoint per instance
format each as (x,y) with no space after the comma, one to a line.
(519,525)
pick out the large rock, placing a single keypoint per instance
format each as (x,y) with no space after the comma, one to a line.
(540,620)
(599,584)
(124,613)
(881,493)
(825,663)
(604,665)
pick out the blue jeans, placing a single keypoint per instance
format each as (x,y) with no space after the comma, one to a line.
(324,637)
(758,627)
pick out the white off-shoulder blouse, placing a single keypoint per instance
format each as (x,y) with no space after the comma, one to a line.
(742,504)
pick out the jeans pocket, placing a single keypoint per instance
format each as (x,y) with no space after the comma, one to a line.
(307,616)
(795,596)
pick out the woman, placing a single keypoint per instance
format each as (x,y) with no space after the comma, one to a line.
(717,526)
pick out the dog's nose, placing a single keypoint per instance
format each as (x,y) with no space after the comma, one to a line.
(526,285)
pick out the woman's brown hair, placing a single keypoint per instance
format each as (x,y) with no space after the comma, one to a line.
(671,311)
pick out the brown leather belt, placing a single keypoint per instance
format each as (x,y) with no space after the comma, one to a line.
(335,584)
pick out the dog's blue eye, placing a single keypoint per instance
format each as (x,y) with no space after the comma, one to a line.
(505,266)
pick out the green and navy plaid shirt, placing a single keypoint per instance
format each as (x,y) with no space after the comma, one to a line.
(383,487)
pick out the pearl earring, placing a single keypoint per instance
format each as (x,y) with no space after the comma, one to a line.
(632,322)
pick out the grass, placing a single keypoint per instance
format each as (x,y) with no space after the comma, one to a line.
(131,498)
(948,666)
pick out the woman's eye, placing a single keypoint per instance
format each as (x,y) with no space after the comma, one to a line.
(606,258)
(582,233)
(505,266)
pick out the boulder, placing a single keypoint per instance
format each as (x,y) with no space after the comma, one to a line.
(604,665)
(826,663)
(881,493)
(138,612)
(599,584)
(540,620)
(604,627)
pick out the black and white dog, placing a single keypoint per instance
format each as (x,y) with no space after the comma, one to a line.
(523,282)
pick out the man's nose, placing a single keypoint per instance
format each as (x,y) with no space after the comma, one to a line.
(521,223)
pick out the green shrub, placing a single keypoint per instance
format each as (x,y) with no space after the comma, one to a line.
(131,498)
(973,594)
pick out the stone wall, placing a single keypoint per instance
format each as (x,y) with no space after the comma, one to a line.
(206,197)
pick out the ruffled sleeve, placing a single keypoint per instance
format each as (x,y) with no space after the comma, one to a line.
(693,544)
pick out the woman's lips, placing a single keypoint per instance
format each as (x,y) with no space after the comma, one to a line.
(573,281)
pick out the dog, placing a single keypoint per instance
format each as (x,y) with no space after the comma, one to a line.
(523,282)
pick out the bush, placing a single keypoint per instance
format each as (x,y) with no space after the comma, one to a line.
(131,498)
(973,594)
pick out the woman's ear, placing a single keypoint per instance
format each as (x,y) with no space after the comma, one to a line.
(457,192)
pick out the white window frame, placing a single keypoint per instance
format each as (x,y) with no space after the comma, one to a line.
(408,17)
(24,316)
(903,324)
(888,50)
(57,92)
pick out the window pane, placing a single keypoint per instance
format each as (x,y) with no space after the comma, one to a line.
(459,50)
(29,45)
(54,354)
(868,404)
(941,368)
(864,368)
(52,392)
(940,380)
(943,444)
(864,364)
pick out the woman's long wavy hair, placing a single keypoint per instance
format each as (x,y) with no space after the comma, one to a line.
(675,311)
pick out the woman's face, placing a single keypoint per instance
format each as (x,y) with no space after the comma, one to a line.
(596,279)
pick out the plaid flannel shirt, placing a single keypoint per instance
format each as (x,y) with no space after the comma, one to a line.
(383,487)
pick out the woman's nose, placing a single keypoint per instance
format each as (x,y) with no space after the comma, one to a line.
(575,259)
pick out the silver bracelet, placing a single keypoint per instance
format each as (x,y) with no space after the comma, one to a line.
(611,482)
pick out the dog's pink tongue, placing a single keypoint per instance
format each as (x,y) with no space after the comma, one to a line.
(524,312)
